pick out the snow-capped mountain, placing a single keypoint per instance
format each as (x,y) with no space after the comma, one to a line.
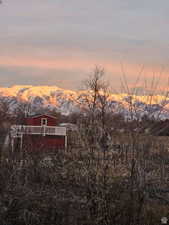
(37,98)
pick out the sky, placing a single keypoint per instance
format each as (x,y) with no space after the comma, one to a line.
(59,42)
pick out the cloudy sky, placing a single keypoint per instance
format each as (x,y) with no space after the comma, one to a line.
(59,42)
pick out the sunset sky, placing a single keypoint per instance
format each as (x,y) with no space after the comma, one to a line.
(59,42)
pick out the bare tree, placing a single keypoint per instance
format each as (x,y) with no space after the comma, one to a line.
(95,103)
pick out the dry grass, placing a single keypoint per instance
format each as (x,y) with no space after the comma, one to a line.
(87,186)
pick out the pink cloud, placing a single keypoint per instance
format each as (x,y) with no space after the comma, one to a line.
(73,64)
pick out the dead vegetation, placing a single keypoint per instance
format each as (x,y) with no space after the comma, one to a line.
(86,186)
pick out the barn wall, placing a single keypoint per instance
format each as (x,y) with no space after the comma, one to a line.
(36,121)
(38,142)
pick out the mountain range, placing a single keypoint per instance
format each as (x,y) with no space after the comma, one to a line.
(39,98)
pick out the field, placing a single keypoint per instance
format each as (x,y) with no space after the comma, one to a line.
(127,184)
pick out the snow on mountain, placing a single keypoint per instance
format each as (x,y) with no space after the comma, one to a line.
(40,97)
(37,98)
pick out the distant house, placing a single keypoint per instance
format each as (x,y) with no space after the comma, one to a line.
(39,132)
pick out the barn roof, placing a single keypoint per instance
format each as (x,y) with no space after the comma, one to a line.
(39,115)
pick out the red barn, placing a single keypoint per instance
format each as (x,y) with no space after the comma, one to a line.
(39,132)
(41,120)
